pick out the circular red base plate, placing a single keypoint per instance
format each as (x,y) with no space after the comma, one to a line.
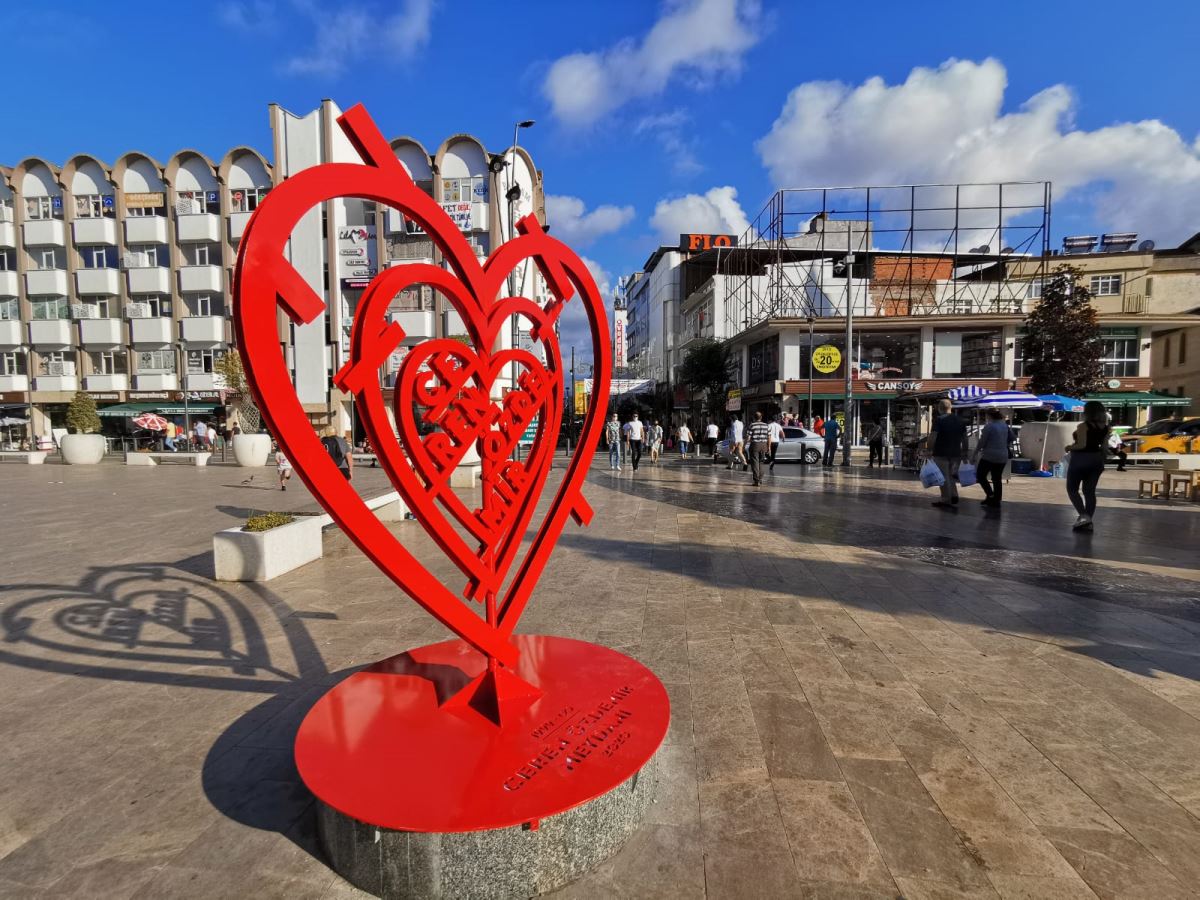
(385,747)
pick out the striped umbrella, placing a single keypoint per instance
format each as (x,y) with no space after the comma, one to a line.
(1003,400)
(969,392)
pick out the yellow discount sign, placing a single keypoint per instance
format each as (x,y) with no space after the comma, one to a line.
(826,358)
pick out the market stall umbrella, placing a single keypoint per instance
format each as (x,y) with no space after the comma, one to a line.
(151,422)
(968,392)
(1059,403)
(1003,400)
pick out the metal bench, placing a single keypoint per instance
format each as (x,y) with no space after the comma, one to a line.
(152,457)
(32,457)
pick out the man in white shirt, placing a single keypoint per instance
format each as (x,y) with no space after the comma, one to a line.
(711,433)
(775,439)
(736,449)
(201,434)
(635,431)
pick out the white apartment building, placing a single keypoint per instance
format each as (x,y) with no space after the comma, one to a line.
(115,280)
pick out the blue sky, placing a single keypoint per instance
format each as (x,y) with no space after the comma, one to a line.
(652,115)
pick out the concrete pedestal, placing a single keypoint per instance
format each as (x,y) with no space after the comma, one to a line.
(502,863)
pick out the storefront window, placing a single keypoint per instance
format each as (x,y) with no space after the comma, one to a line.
(968,354)
(763,361)
(888,355)
(1120,357)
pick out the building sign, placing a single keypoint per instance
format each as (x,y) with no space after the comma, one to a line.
(696,242)
(104,395)
(460,214)
(733,400)
(149,395)
(681,397)
(356,256)
(620,359)
(143,200)
(358,281)
(893,385)
(357,234)
(581,398)
(826,358)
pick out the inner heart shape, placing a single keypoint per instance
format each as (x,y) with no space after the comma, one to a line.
(452,384)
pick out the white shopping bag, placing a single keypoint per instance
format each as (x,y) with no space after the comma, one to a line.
(966,475)
(931,475)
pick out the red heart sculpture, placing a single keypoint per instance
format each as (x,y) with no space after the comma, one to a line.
(451,381)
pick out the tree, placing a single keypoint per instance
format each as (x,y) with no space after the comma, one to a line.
(229,368)
(81,414)
(708,366)
(1061,343)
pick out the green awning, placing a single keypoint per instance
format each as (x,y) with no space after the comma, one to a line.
(121,410)
(1139,398)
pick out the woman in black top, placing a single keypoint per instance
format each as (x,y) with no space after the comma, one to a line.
(1087,462)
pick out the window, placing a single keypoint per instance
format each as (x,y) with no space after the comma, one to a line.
(193,203)
(141,256)
(56,362)
(6,214)
(110,362)
(1033,290)
(99,307)
(1166,353)
(1182,347)
(9,308)
(47,259)
(246,199)
(142,306)
(1105,285)
(1149,286)
(204,305)
(195,255)
(93,206)
(8,260)
(464,190)
(100,258)
(49,307)
(1120,356)
(43,208)
(11,363)
(200,362)
(156,362)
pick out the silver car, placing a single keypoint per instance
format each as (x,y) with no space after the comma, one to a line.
(798,445)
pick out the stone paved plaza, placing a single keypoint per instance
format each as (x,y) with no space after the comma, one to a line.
(871,697)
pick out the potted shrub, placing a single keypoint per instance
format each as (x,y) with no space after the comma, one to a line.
(251,448)
(82,446)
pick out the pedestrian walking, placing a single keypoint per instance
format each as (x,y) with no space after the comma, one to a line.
(758,439)
(1087,449)
(830,430)
(949,437)
(169,441)
(284,467)
(991,456)
(635,433)
(736,448)
(339,451)
(875,438)
(819,426)
(1116,447)
(612,437)
(684,436)
(775,439)
(711,434)
(654,437)
(201,430)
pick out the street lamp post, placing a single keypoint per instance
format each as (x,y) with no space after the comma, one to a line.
(29,394)
(808,413)
(512,195)
(847,426)
(187,413)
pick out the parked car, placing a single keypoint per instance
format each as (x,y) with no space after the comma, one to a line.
(1177,437)
(798,445)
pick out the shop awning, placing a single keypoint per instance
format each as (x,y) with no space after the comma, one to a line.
(1139,398)
(123,410)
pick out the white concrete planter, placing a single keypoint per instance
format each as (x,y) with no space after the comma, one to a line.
(82,449)
(251,450)
(262,555)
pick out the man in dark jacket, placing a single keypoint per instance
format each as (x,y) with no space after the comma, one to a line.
(949,445)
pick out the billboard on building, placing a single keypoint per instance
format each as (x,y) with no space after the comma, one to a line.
(581,398)
(619,349)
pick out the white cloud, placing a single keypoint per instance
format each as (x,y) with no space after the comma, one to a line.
(715,212)
(705,38)
(948,125)
(346,33)
(569,221)
(603,278)
(668,130)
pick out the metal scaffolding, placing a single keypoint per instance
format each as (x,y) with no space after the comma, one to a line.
(919,250)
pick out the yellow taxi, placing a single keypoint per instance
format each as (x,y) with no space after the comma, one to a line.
(1170,437)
